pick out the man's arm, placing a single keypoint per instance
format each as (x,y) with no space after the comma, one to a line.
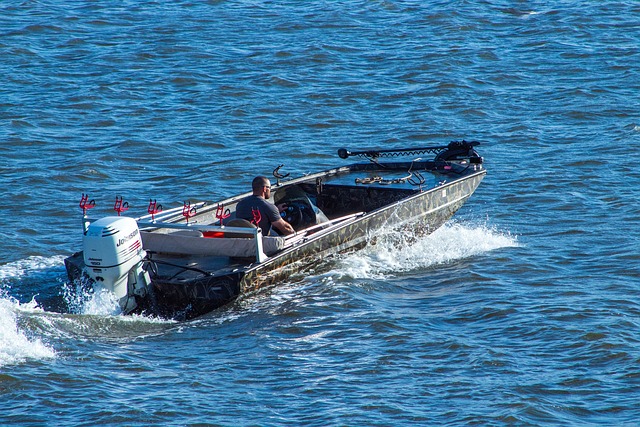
(283,226)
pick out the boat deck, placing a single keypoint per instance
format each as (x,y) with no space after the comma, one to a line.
(339,194)
(381,178)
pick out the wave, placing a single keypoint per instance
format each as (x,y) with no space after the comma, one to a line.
(393,255)
(91,315)
(396,253)
(21,268)
(15,345)
(28,331)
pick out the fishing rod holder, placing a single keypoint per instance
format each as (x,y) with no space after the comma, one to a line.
(86,204)
(188,211)
(120,205)
(153,209)
(222,214)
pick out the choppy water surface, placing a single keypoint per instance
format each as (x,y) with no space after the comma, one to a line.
(524,310)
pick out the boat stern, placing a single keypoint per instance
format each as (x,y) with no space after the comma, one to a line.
(112,258)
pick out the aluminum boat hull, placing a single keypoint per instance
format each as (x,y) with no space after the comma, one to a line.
(378,208)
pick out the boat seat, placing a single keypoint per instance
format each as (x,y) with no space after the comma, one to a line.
(241,223)
(179,244)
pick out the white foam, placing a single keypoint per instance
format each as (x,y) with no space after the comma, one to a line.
(20,268)
(15,346)
(102,302)
(395,253)
(530,13)
(85,300)
(81,300)
(93,314)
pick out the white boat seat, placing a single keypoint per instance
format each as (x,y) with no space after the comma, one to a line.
(178,243)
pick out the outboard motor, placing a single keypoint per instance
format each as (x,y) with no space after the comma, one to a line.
(113,258)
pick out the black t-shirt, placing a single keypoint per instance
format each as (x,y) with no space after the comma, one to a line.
(268,212)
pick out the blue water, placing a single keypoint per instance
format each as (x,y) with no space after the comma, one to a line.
(524,310)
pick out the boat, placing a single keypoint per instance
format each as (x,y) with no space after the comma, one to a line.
(185,262)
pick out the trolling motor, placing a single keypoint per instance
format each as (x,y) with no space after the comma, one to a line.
(455,150)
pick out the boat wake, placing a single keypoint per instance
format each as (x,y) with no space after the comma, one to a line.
(30,326)
(16,344)
(81,299)
(395,254)
(39,310)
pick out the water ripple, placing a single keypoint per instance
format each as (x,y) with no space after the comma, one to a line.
(523,311)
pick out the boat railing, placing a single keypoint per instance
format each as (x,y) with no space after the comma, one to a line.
(173,213)
(330,225)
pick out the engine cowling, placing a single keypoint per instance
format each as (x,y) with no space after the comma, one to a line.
(113,258)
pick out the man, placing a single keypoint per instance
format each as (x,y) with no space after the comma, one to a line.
(258,202)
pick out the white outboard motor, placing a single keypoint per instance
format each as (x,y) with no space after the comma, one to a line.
(113,258)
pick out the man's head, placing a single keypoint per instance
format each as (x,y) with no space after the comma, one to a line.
(261,186)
